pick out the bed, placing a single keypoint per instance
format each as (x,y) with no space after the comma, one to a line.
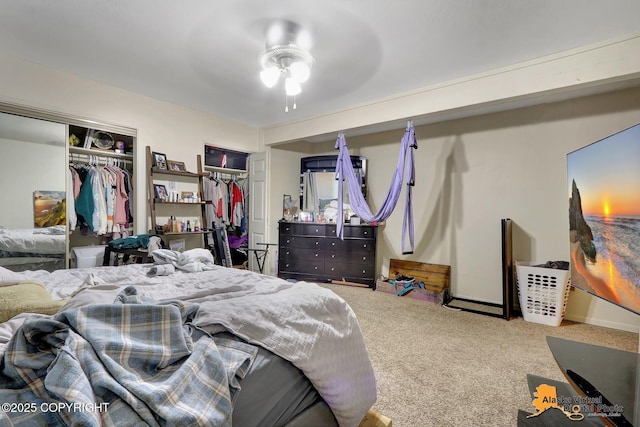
(290,354)
(33,249)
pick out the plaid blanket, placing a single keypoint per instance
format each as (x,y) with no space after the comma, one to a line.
(128,363)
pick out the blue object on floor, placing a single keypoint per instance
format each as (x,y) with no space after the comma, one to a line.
(408,287)
(405,286)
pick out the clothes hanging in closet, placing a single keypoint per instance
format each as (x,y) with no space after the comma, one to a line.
(102,199)
(228,202)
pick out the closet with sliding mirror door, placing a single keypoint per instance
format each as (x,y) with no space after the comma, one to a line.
(32,183)
(319,186)
(44,154)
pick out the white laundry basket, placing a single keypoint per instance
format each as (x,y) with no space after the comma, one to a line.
(87,256)
(543,293)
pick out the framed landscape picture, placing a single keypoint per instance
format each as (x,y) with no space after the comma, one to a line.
(49,208)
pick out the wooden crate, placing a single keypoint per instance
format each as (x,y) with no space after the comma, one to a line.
(374,419)
(434,276)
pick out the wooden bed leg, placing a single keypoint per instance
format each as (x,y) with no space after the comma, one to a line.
(374,419)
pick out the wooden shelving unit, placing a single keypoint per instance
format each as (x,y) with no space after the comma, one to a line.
(168,208)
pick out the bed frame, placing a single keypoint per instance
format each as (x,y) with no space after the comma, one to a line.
(374,419)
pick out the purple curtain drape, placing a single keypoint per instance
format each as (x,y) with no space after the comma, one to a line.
(405,166)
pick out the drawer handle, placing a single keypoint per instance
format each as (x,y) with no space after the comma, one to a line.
(333,268)
(288,241)
(333,243)
(315,268)
(317,254)
(364,258)
(364,246)
(288,265)
(364,271)
(317,243)
(317,230)
(288,252)
(333,255)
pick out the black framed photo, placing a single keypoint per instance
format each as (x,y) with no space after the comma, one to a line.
(161,191)
(159,160)
(176,166)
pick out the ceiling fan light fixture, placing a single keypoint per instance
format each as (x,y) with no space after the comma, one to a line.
(270,76)
(300,71)
(292,86)
(284,56)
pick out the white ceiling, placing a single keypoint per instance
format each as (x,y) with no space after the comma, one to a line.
(204,54)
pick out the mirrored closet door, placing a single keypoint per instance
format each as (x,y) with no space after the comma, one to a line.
(32,183)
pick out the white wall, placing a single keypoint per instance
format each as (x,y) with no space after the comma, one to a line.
(27,167)
(179,132)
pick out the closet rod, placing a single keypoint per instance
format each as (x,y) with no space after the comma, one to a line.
(227,171)
(226,176)
(106,160)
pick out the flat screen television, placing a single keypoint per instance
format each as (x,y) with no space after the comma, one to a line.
(604,218)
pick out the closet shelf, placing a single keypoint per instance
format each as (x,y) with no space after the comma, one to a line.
(98,152)
(179,173)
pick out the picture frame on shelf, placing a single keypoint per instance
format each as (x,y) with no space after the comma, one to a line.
(159,160)
(176,166)
(160,191)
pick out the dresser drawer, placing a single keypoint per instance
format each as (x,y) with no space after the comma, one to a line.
(300,242)
(313,229)
(349,244)
(303,229)
(351,257)
(302,265)
(358,231)
(287,254)
(339,270)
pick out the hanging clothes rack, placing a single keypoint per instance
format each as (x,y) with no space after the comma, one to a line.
(101,160)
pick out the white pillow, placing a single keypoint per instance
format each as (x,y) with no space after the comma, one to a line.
(8,277)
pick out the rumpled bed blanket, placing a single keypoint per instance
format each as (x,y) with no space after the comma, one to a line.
(112,368)
(306,324)
(189,261)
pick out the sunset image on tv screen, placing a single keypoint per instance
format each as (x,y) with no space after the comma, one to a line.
(604,218)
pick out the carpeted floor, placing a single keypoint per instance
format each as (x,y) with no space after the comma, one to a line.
(440,367)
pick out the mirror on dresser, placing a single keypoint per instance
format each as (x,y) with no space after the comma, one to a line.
(319,187)
(32,184)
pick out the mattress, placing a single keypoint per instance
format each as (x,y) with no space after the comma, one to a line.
(311,368)
(48,240)
(276,393)
(33,249)
(25,263)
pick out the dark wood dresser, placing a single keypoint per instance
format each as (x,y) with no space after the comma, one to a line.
(312,252)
